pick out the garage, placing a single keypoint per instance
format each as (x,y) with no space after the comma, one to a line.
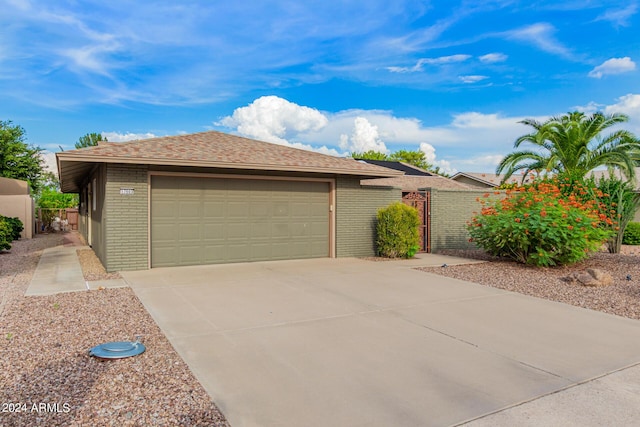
(211,198)
(209,220)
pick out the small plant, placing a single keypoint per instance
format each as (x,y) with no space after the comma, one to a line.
(16,227)
(632,234)
(9,336)
(397,231)
(6,234)
(56,306)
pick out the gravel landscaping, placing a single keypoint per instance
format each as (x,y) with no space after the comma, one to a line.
(622,298)
(48,378)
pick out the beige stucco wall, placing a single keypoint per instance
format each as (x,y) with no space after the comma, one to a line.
(21,207)
(13,187)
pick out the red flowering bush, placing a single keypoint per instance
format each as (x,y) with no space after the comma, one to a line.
(542,224)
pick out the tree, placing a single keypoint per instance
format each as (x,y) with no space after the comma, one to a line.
(90,140)
(370,155)
(18,160)
(573,144)
(415,158)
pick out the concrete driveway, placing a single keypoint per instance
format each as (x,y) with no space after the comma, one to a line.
(347,342)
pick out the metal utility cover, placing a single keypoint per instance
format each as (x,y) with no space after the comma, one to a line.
(117,349)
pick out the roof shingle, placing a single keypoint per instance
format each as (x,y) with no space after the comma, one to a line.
(218,150)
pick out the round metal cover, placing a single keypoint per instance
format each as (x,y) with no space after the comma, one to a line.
(117,349)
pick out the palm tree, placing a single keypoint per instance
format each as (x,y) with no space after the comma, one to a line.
(573,143)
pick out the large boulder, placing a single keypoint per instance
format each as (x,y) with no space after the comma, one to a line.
(590,277)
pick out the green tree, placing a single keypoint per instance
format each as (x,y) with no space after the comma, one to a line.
(19,160)
(415,158)
(90,140)
(370,155)
(574,144)
(50,200)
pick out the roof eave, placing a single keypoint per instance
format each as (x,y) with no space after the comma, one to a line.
(382,173)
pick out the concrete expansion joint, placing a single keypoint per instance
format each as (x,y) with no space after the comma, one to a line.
(560,390)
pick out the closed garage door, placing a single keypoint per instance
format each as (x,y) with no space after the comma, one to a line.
(218,220)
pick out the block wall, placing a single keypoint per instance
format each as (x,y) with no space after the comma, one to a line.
(450,212)
(356,209)
(126,220)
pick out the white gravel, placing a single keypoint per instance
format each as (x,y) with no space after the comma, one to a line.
(47,377)
(622,298)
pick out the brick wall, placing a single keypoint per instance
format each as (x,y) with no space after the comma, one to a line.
(126,219)
(356,209)
(450,211)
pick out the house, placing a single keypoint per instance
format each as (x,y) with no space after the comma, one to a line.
(211,197)
(486,180)
(16,201)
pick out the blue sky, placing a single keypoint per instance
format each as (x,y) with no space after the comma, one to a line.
(451,78)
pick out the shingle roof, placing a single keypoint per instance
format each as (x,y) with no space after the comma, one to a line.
(413,183)
(488,179)
(216,150)
(407,168)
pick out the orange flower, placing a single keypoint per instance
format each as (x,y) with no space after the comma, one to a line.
(543,213)
(517,219)
(570,227)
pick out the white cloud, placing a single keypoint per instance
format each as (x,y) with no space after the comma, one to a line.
(541,36)
(630,105)
(466,136)
(127,136)
(613,66)
(619,17)
(442,60)
(430,155)
(491,58)
(50,163)
(472,79)
(365,137)
(93,58)
(274,119)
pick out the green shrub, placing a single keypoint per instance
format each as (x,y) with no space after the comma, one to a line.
(538,225)
(16,227)
(632,234)
(6,234)
(397,231)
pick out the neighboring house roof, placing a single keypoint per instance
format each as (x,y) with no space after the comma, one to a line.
(208,149)
(484,179)
(13,187)
(597,174)
(414,183)
(407,168)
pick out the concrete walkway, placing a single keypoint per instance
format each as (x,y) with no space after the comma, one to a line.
(59,271)
(348,342)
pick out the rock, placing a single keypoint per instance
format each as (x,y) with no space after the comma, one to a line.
(590,277)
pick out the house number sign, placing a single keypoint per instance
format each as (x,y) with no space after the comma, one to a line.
(126,191)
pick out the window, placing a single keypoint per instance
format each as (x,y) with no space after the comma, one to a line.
(95,188)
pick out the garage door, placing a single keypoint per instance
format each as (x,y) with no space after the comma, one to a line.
(211,220)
